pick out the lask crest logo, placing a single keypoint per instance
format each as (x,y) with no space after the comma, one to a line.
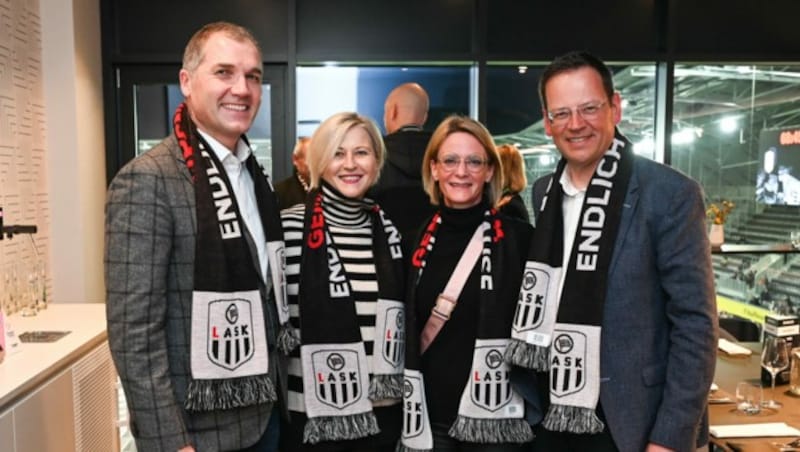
(394,345)
(491,388)
(530,308)
(413,408)
(337,380)
(567,358)
(230,338)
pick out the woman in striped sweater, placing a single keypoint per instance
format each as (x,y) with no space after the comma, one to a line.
(345,284)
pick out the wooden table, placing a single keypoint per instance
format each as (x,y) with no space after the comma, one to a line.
(732,369)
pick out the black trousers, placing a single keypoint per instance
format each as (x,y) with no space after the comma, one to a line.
(442,442)
(547,441)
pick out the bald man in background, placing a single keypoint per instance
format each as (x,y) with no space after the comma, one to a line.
(399,190)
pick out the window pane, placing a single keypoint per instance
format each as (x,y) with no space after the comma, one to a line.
(734,131)
(155,104)
(514,113)
(323,91)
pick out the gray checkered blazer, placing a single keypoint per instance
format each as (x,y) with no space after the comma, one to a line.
(149,272)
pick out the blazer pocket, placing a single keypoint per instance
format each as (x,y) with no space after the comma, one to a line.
(654,374)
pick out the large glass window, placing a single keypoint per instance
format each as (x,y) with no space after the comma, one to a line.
(514,113)
(736,130)
(325,90)
(149,95)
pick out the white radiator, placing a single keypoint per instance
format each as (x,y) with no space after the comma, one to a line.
(95,402)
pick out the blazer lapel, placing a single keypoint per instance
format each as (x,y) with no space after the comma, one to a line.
(251,245)
(629,206)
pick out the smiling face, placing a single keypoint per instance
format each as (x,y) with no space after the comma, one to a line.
(581,141)
(354,166)
(461,187)
(224,91)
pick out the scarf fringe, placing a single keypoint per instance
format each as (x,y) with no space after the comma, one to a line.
(288,339)
(528,356)
(573,419)
(491,431)
(400,447)
(386,387)
(337,428)
(211,395)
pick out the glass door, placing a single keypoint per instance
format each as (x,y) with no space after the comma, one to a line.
(147,99)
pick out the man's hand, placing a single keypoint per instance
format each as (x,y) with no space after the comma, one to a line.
(189,448)
(653,447)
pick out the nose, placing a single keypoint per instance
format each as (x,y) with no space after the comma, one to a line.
(239,86)
(461,168)
(349,160)
(576,120)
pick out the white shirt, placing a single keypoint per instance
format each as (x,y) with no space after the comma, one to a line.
(244,191)
(571,204)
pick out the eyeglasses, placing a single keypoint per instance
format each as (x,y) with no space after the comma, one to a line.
(451,163)
(587,111)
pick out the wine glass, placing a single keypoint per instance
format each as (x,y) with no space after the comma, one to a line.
(41,284)
(774,358)
(31,308)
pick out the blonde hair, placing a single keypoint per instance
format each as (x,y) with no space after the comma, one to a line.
(301,142)
(451,125)
(329,136)
(513,168)
(193,54)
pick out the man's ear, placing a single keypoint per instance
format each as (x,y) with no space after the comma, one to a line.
(183,77)
(547,126)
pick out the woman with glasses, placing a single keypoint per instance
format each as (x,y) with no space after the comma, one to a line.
(346,283)
(464,284)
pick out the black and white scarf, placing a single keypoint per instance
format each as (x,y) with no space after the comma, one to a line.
(228,349)
(337,389)
(563,336)
(502,419)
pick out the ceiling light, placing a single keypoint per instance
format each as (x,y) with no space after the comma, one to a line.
(684,136)
(644,147)
(728,124)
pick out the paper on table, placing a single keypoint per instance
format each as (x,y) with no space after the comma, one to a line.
(753,430)
(733,348)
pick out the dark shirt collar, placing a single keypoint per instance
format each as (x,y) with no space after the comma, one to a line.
(409,128)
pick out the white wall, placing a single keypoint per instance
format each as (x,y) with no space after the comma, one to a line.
(72,76)
(23,166)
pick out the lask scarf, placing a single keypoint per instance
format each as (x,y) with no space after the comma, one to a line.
(335,368)
(563,336)
(489,411)
(228,349)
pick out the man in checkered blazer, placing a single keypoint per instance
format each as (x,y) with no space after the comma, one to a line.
(151,227)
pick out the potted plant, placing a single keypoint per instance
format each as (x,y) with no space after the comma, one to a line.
(718,214)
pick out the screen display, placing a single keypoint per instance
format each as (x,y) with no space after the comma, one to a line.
(778,180)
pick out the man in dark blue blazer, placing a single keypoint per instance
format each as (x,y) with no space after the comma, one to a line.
(657,318)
